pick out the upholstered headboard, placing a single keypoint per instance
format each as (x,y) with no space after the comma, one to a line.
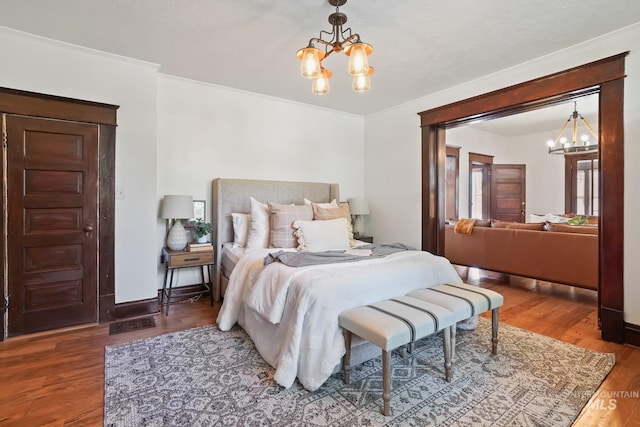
(233,195)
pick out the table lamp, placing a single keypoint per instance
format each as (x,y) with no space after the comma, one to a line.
(177,208)
(358,207)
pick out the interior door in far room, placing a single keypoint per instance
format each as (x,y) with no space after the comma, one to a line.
(508,192)
(52,199)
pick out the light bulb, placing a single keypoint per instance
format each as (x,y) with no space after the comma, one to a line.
(550,143)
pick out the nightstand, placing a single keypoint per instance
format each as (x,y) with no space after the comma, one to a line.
(368,239)
(183,259)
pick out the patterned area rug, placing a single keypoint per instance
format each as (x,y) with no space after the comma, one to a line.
(205,377)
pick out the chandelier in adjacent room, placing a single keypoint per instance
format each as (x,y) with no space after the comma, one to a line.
(583,144)
(338,40)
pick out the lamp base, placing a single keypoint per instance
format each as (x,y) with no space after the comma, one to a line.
(177,237)
(358,226)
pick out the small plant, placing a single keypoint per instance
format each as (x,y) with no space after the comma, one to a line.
(578,220)
(201,228)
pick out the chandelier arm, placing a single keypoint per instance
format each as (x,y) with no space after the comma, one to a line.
(588,126)
(555,141)
(333,34)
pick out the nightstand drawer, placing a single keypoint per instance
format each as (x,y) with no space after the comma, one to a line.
(185,259)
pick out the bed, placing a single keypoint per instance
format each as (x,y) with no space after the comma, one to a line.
(290,313)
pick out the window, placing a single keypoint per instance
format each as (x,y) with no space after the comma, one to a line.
(581,184)
(452,167)
(479,185)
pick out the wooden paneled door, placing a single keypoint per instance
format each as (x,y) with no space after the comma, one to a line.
(52,223)
(508,192)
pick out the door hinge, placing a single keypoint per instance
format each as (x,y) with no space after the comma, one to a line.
(5,305)
(4,140)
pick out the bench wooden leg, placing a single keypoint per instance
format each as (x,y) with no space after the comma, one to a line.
(494,331)
(454,331)
(446,339)
(386,381)
(346,359)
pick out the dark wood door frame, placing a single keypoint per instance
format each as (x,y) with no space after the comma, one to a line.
(605,77)
(32,104)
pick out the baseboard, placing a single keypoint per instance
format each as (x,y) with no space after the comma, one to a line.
(126,310)
(149,306)
(612,325)
(632,334)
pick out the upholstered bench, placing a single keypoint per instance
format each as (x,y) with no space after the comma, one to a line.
(391,324)
(464,301)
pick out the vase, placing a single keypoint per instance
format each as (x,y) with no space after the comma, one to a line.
(203,239)
(177,237)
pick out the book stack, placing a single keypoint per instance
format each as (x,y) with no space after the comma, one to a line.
(199,247)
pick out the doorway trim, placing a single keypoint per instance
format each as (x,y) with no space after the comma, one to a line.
(605,77)
(18,102)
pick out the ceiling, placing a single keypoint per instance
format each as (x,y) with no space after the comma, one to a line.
(420,46)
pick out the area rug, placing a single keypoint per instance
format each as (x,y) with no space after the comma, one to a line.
(205,377)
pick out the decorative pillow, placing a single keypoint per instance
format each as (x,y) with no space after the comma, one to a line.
(326,235)
(566,228)
(537,218)
(241,224)
(259,229)
(478,223)
(539,226)
(282,219)
(323,214)
(557,218)
(331,204)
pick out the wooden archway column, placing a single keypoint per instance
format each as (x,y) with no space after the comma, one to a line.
(605,77)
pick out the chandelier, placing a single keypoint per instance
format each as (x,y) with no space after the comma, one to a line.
(339,40)
(561,145)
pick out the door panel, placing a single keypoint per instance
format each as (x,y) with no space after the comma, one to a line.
(508,192)
(52,223)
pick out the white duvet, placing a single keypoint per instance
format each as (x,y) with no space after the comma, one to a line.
(292,313)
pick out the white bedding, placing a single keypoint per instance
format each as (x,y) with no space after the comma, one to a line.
(291,313)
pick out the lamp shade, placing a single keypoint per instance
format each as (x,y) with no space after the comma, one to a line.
(358,62)
(310,57)
(320,86)
(177,207)
(362,83)
(358,206)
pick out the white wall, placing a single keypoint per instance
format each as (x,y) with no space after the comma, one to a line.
(544,172)
(46,66)
(393,146)
(207,131)
(474,141)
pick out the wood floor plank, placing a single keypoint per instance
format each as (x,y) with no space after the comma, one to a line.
(57,378)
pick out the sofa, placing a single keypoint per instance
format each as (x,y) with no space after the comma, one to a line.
(555,253)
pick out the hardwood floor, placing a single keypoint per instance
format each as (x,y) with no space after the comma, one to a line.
(57,378)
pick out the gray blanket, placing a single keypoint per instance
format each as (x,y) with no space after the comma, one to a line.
(301,259)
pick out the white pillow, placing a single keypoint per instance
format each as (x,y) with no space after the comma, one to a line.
(537,218)
(318,236)
(331,204)
(259,229)
(241,223)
